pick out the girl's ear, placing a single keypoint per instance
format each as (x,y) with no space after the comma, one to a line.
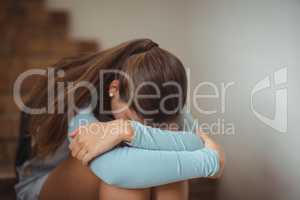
(114,88)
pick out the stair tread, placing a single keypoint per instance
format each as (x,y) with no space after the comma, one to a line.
(7,171)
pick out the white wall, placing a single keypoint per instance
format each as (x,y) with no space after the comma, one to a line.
(222,41)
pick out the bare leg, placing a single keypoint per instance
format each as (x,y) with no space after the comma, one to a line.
(72,180)
(108,192)
(172,191)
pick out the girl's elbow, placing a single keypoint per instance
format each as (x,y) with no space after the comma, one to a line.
(220,166)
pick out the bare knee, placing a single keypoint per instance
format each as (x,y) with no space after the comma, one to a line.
(172,191)
(71,180)
(108,192)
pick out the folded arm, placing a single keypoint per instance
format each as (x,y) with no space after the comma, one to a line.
(154,157)
(146,137)
(128,167)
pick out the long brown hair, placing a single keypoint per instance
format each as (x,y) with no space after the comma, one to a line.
(142,59)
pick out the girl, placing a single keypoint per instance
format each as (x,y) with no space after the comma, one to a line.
(113,154)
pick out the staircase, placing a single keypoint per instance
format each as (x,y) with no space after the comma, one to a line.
(31,37)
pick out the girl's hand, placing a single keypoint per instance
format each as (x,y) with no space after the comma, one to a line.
(96,138)
(209,143)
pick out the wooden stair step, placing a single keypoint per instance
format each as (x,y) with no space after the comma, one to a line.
(44,31)
(9,127)
(7,104)
(6,71)
(31,12)
(85,46)
(7,171)
(55,26)
(7,181)
(4,9)
(8,148)
(59,19)
(44,46)
(8,35)
(9,71)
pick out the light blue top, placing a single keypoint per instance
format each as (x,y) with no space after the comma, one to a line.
(154,157)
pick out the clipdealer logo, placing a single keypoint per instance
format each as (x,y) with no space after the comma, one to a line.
(279,85)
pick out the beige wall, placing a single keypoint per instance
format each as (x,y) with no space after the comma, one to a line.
(222,41)
(112,21)
(245,41)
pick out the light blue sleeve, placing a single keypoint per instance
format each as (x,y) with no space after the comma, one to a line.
(155,157)
(149,138)
(146,137)
(128,167)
